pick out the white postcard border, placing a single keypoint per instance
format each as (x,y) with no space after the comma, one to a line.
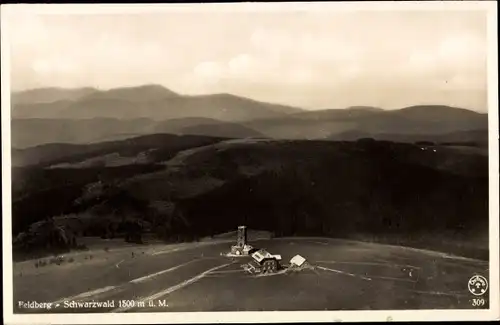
(247,317)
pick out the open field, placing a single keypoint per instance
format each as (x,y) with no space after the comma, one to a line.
(348,275)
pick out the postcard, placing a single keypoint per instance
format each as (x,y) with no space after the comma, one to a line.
(250,162)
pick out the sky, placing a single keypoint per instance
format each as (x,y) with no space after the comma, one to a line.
(310,59)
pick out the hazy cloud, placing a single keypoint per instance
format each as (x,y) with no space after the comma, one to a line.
(316,60)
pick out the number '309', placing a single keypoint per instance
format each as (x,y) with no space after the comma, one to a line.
(478,302)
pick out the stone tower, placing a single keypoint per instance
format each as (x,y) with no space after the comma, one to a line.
(242,236)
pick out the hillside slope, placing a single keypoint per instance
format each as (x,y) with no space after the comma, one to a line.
(34,132)
(159,146)
(50,95)
(152,101)
(205,126)
(88,115)
(288,187)
(28,133)
(476,138)
(423,121)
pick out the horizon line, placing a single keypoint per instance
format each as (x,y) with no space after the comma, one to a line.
(102,89)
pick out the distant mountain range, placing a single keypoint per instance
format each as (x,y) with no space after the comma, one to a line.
(151,101)
(86,115)
(49,95)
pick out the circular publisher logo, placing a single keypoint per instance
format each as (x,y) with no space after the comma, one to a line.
(478,285)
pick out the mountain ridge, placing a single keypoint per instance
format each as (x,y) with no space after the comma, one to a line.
(304,125)
(119,112)
(162,89)
(49,94)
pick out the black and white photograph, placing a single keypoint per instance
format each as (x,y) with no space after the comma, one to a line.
(179,163)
